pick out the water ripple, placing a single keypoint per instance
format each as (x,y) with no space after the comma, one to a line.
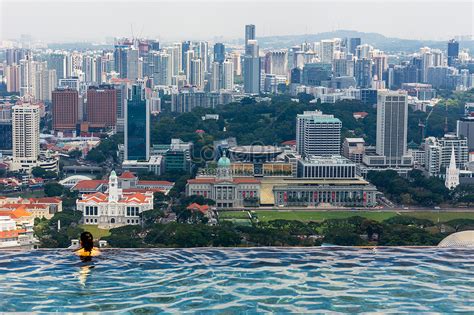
(240,280)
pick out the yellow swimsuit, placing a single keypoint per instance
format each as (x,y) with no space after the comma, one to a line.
(83,253)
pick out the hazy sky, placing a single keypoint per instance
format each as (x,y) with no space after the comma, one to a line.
(178,20)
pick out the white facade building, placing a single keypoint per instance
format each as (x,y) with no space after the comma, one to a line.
(26,136)
(318,134)
(392,121)
(114,208)
(227,75)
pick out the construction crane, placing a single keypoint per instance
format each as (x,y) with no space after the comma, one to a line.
(424,125)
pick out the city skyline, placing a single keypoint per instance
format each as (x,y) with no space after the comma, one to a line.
(160,19)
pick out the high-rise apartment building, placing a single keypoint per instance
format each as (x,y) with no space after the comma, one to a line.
(12,74)
(318,134)
(137,126)
(227,75)
(197,73)
(26,136)
(215,79)
(65,109)
(327,50)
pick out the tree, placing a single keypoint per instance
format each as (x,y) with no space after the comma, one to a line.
(53,189)
(41,172)
(343,238)
(151,217)
(75,154)
(95,155)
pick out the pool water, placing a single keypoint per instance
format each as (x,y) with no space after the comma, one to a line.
(241,280)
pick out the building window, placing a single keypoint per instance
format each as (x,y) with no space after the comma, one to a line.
(112,220)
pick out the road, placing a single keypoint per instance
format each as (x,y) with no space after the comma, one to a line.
(410,209)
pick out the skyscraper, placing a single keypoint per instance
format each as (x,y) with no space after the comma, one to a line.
(189,56)
(65,109)
(227,75)
(137,126)
(163,68)
(12,73)
(327,50)
(102,106)
(6,127)
(276,62)
(392,120)
(252,68)
(219,52)
(249,33)
(197,73)
(318,134)
(45,83)
(120,60)
(26,136)
(215,80)
(453,51)
(185,47)
(363,72)
(133,65)
(353,43)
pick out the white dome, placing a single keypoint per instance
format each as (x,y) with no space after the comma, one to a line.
(459,239)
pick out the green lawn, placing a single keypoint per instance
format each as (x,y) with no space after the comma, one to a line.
(96,232)
(233,214)
(320,215)
(323,215)
(443,216)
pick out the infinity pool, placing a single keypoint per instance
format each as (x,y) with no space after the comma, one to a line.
(249,280)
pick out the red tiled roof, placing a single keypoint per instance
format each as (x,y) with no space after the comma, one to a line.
(155,182)
(96,197)
(201,180)
(127,175)
(137,197)
(45,200)
(89,184)
(142,190)
(18,212)
(25,206)
(198,207)
(12,233)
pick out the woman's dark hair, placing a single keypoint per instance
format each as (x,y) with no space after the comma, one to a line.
(87,241)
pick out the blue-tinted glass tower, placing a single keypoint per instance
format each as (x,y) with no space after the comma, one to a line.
(137,126)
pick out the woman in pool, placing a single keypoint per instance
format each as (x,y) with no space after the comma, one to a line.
(86,252)
(87,249)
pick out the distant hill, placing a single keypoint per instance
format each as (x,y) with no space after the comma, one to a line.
(388,44)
